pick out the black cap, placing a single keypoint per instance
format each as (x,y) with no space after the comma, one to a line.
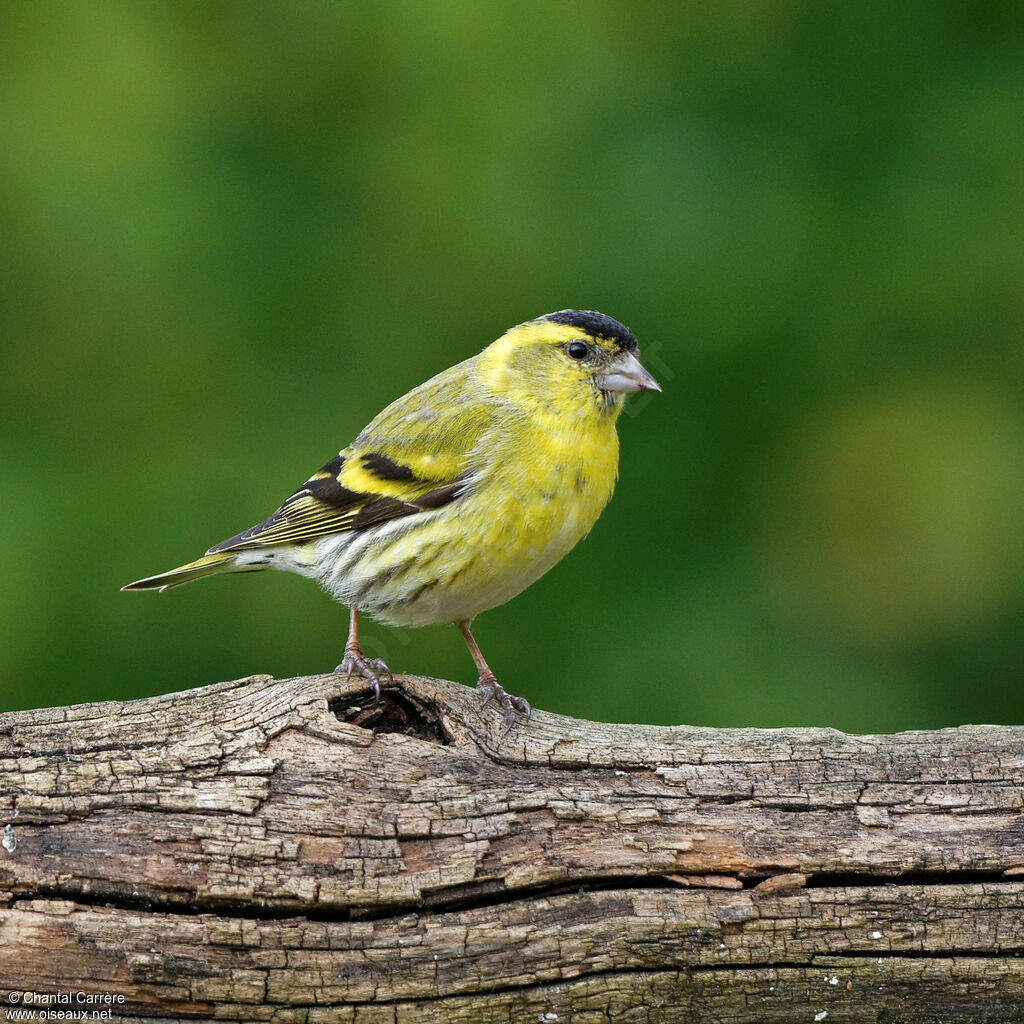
(597,325)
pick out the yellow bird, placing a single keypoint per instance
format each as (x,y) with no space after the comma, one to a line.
(461,493)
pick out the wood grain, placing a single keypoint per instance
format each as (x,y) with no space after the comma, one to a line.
(284,850)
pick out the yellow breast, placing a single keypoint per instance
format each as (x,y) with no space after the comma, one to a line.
(547,501)
(527,507)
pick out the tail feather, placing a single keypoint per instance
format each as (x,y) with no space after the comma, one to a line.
(208,565)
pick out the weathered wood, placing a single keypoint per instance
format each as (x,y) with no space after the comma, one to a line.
(285,851)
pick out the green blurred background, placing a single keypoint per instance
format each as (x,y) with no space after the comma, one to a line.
(232,232)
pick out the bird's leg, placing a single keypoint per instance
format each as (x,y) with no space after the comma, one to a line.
(356,661)
(488,685)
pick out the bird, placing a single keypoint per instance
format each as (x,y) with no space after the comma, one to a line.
(459,494)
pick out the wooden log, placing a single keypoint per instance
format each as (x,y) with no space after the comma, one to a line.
(289,851)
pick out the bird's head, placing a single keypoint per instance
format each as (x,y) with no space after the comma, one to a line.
(572,362)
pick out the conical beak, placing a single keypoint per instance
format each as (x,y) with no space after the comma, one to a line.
(626,374)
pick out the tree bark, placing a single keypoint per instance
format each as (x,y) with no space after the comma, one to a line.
(289,851)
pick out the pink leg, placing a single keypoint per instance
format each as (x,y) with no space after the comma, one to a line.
(356,661)
(489,686)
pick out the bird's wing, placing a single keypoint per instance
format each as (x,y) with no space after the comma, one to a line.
(414,457)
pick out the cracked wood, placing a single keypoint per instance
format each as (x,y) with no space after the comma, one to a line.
(284,850)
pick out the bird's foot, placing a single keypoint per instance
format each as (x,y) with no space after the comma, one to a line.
(371,669)
(493,690)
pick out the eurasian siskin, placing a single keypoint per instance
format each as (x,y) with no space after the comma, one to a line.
(461,493)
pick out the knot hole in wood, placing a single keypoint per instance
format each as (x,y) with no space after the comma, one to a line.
(396,712)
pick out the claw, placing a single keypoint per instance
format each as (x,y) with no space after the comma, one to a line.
(493,690)
(369,668)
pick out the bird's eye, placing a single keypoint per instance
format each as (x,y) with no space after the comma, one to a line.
(578,349)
